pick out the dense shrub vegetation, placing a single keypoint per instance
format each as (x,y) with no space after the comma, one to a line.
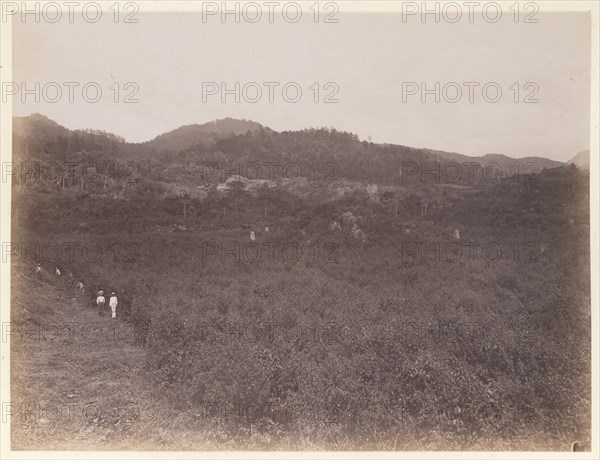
(354,342)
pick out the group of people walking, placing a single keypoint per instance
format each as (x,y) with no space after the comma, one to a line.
(100,299)
(112,303)
(68,279)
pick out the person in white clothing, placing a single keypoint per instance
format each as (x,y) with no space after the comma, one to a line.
(113,304)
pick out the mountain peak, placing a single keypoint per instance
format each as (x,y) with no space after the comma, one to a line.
(581,159)
(189,135)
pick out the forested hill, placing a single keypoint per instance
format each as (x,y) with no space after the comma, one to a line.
(36,137)
(312,153)
(207,133)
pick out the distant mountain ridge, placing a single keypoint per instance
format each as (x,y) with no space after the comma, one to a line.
(245,141)
(581,160)
(189,135)
(503,161)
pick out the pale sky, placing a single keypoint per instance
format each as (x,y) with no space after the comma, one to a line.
(368,57)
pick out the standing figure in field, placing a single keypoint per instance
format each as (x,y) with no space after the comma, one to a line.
(80,286)
(38,271)
(100,302)
(57,271)
(113,304)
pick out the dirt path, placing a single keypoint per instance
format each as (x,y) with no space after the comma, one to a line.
(79,382)
(74,380)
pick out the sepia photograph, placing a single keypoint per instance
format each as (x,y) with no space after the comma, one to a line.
(335,229)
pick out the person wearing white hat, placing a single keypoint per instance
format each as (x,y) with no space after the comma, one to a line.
(113,304)
(101,302)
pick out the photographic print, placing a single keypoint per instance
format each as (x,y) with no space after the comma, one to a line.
(299,227)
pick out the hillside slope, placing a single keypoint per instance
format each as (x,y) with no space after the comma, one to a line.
(181,155)
(78,380)
(581,160)
(206,133)
(527,164)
